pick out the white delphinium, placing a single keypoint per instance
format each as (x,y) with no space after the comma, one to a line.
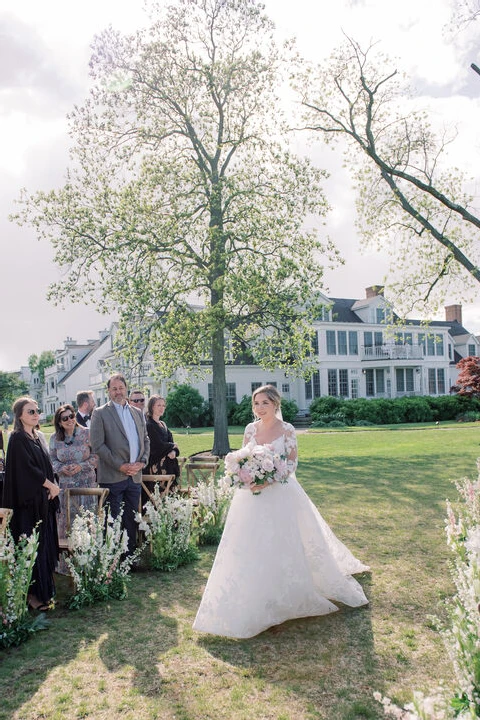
(212,501)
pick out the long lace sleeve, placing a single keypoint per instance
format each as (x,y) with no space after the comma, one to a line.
(249,434)
(291,447)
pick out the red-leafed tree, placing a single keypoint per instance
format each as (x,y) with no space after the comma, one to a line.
(468,382)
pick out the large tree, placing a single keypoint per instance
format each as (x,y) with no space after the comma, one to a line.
(11,387)
(184,208)
(38,363)
(468,381)
(409,200)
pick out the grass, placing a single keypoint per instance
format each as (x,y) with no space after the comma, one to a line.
(384,495)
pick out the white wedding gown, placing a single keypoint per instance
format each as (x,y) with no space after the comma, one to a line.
(277,559)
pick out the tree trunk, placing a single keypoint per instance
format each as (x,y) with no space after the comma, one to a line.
(221,445)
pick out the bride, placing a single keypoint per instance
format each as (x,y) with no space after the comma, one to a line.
(277,559)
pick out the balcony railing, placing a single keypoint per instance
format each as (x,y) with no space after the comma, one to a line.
(393,352)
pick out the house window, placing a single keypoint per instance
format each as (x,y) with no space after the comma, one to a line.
(404,379)
(439,345)
(378,339)
(374,382)
(342,342)
(312,386)
(441,381)
(369,383)
(332,383)
(380,315)
(353,342)
(354,388)
(255,385)
(285,389)
(432,381)
(315,343)
(331,344)
(367,339)
(431,345)
(231,392)
(472,350)
(449,351)
(343,383)
(421,341)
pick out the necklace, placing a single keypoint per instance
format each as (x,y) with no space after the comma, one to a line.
(68,439)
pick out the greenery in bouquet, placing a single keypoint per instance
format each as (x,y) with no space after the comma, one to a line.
(167,524)
(16,567)
(212,501)
(462,634)
(97,560)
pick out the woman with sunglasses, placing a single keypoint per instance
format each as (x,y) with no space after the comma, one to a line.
(31,492)
(73,462)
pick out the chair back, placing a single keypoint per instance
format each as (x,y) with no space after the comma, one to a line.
(5,515)
(201,470)
(163,482)
(73,501)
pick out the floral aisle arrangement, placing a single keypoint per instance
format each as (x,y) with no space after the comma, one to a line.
(167,524)
(462,636)
(211,502)
(258,464)
(96,548)
(16,567)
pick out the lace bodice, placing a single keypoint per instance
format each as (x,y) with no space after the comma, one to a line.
(285,444)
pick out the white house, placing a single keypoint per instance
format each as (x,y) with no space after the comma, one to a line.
(358,350)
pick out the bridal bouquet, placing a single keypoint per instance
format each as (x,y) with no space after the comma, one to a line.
(256,464)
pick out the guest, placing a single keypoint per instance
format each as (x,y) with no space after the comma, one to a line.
(32,494)
(137,400)
(85,404)
(73,462)
(163,450)
(5,421)
(119,437)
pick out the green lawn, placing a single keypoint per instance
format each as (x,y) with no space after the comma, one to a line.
(384,495)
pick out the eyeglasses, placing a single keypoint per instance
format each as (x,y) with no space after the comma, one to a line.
(34,412)
(67,417)
(137,400)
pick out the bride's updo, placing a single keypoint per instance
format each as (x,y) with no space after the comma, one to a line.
(271,392)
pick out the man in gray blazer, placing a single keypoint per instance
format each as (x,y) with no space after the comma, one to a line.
(118,435)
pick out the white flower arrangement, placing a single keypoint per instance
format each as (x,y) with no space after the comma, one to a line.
(97,558)
(167,524)
(211,503)
(462,636)
(16,567)
(255,464)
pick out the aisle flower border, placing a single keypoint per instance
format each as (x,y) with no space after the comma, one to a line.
(212,500)
(167,523)
(461,636)
(97,561)
(16,567)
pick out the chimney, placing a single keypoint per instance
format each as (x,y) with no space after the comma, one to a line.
(374,291)
(453,312)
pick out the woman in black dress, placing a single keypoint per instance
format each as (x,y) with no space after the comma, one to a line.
(31,492)
(163,451)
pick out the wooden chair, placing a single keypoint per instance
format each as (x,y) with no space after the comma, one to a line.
(200,470)
(5,515)
(72,497)
(164,482)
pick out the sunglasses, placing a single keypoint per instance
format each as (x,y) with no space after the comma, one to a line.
(34,412)
(137,400)
(64,418)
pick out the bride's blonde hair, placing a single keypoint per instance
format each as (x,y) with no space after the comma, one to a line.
(271,392)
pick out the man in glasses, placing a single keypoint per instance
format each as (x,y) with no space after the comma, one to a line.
(118,435)
(137,400)
(85,404)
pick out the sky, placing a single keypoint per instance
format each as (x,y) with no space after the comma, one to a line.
(44,53)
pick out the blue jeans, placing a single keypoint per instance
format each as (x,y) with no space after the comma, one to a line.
(126,492)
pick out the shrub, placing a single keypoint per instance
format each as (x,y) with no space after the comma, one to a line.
(185,406)
(289,410)
(242,414)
